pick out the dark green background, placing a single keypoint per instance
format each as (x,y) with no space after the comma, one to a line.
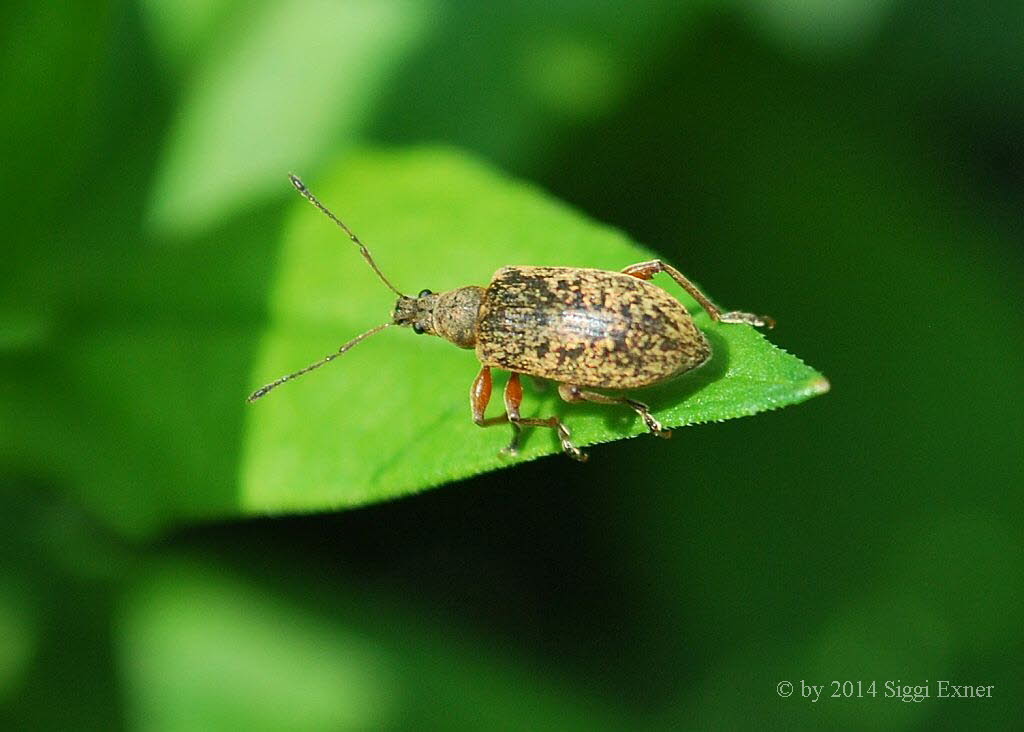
(853,168)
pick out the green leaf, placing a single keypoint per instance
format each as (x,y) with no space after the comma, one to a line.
(392,416)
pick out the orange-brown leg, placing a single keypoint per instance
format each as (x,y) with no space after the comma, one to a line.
(647,270)
(513,399)
(572,393)
(480,396)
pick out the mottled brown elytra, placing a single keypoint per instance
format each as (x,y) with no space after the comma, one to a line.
(581,328)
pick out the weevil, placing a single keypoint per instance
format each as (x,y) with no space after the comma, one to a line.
(583,329)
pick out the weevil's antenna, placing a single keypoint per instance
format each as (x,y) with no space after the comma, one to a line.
(301,188)
(262,391)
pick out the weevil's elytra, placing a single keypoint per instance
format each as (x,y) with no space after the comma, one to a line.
(587,327)
(582,328)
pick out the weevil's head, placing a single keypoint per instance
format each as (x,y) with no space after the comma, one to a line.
(451,315)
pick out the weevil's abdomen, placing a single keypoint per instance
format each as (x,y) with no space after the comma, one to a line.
(587,327)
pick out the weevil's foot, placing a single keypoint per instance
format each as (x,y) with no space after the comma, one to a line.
(565,437)
(508,452)
(655,427)
(760,321)
(574,452)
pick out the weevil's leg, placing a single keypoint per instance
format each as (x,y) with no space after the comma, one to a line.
(479,396)
(513,399)
(647,270)
(572,393)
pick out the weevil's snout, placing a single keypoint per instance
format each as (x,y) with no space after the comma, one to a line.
(416,312)
(405,311)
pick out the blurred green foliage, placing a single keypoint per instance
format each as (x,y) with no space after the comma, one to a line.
(273,94)
(853,169)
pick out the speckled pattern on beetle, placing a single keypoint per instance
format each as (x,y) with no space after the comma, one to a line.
(581,328)
(587,327)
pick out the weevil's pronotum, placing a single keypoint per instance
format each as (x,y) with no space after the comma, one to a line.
(581,328)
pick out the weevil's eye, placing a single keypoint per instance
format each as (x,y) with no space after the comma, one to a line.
(418,329)
(424,293)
